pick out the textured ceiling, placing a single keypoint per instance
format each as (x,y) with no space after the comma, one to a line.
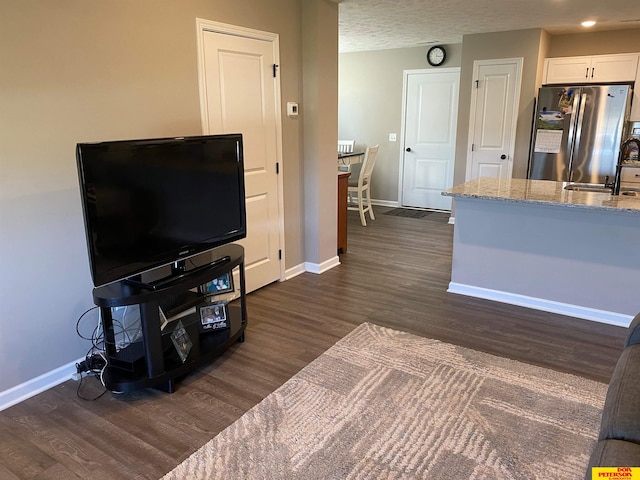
(384,24)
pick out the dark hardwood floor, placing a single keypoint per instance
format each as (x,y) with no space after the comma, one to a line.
(394,274)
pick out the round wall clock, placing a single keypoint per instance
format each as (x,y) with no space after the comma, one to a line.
(436,56)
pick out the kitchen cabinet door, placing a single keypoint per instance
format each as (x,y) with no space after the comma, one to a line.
(593,69)
(566,70)
(614,68)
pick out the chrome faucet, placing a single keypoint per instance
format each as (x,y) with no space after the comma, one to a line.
(623,149)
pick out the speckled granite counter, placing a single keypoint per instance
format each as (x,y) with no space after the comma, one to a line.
(534,244)
(542,192)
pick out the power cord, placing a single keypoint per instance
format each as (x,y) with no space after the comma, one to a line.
(94,361)
(88,399)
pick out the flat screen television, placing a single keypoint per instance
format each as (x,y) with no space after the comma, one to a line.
(153,202)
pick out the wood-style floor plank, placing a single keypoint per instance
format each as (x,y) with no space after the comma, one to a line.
(395,273)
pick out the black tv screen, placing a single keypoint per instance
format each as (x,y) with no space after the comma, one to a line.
(149,203)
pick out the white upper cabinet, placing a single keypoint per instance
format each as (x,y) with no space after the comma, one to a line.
(595,69)
(566,70)
(614,68)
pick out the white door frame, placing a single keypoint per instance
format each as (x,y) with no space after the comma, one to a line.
(405,82)
(202,26)
(514,121)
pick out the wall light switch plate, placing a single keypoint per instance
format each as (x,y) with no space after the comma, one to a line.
(292,109)
(393,137)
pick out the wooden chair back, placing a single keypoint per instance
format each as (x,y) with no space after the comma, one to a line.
(345,146)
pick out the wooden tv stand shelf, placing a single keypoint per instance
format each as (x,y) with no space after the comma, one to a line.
(153,360)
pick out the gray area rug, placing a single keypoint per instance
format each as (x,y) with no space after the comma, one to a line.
(384,404)
(408,212)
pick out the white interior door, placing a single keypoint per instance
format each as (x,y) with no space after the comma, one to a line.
(239,94)
(430,120)
(492,125)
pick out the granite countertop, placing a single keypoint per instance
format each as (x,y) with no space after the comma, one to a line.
(542,192)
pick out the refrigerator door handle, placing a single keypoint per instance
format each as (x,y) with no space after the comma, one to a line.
(575,130)
(575,127)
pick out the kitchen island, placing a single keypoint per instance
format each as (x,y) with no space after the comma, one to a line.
(533,243)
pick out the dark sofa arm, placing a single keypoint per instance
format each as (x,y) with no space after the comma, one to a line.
(633,337)
(619,440)
(621,414)
(613,453)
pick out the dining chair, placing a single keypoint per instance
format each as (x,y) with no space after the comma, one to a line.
(360,186)
(345,146)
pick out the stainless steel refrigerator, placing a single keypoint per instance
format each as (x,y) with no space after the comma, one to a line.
(577,132)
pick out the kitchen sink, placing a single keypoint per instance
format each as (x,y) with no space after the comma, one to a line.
(588,187)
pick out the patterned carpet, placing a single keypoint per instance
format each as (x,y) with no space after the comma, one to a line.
(384,404)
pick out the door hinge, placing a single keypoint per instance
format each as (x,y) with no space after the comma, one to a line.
(473,147)
(477,83)
(275,69)
(279,254)
(277,168)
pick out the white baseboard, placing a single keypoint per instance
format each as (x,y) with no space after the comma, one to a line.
(294,271)
(311,268)
(322,267)
(385,203)
(576,311)
(37,385)
(452,220)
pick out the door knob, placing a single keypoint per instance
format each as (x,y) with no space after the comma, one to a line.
(408,149)
(503,157)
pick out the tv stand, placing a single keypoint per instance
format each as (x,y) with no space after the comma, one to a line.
(153,360)
(177,274)
(178,267)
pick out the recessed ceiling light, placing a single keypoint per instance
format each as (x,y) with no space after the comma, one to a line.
(588,23)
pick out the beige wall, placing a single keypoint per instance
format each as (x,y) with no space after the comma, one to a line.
(75,71)
(595,43)
(522,43)
(320,113)
(370,105)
